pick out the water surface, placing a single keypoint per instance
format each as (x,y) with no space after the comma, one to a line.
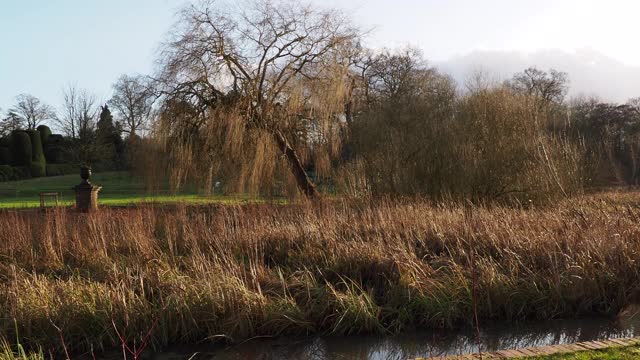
(412,345)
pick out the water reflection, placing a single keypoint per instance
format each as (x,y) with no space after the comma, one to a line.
(419,344)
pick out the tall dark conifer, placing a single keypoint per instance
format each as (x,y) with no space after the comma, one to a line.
(109,140)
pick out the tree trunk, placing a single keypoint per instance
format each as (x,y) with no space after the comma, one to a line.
(302,179)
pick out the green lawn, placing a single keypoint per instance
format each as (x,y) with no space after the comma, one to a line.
(118,189)
(631,352)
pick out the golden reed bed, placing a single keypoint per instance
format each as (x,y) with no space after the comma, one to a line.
(191,274)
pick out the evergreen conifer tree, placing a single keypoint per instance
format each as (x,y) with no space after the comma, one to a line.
(108,140)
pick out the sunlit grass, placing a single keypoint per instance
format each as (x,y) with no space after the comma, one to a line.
(620,353)
(118,189)
(124,200)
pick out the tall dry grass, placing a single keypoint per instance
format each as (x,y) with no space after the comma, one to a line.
(229,273)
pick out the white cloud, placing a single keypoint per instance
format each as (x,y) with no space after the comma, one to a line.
(590,72)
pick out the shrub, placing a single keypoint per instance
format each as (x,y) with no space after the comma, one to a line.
(21,148)
(37,153)
(21,172)
(488,145)
(45,133)
(6,173)
(38,162)
(5,156)
(38,169)
(54,149)
(61,169)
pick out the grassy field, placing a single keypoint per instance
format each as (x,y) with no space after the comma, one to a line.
(118,189)
(186,275)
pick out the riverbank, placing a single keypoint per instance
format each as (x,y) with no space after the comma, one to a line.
(188,275)
(616,353)
(627,348)
(625,353)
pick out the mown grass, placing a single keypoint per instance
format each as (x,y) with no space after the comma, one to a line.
(118,189)
(188,275)
(621,353)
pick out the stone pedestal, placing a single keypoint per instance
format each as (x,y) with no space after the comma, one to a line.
(86,193)
(86,197)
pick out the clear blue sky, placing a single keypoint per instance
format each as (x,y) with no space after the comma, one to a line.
(45,44)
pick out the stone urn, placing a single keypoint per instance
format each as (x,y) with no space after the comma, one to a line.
(86,193)
(85,174)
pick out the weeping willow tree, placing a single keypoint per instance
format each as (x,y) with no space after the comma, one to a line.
(248,91)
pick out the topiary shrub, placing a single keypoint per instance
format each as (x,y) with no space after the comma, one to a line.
(6,173)
(21,148)
(38,169)
(54,149)
(61,169)
(38,165)
(5,151)
(45,133)
(5,156)
(37,153)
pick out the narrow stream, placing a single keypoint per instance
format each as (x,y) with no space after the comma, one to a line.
(412,345)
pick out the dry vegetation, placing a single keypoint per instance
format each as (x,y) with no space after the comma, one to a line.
(187,275)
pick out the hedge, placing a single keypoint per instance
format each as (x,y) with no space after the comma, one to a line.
(54,149)
(45,133)
(5,156)
(21,148)
(61,169)
(6,173)
(38,162)
(37,153)
(38,169)
(21,172)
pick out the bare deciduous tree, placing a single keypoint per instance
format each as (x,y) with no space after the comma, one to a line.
(399,136)
(31,111)
(78,121)
(397,76)
(79,112)
(277,63)
(545,87)
(635,103)
(132,101)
